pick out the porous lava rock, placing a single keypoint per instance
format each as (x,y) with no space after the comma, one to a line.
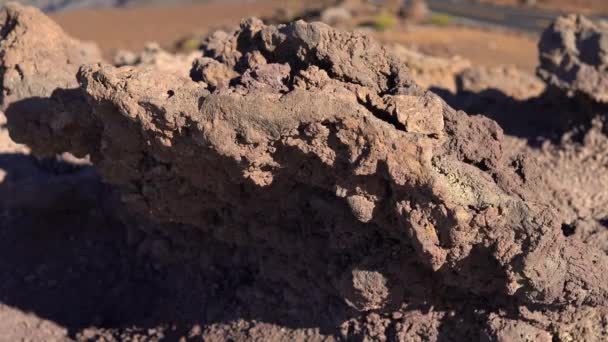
(40,60)
(37,55)
(334,176)
(574,57)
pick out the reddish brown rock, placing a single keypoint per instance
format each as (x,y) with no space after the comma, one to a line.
(574,57)
(333,174)
(37,56)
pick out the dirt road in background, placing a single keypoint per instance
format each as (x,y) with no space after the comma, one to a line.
(115,29)
(482,47)
(594,7)
(131,28)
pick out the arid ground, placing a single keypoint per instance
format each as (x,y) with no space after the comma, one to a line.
(115,29)
(427,182)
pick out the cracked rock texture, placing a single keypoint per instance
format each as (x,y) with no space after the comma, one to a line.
(574,57)
(355,202)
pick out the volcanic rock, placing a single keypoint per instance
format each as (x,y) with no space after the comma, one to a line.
(329,169)
(574,57)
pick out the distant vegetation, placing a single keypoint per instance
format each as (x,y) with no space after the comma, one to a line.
(440,19)
(384,21)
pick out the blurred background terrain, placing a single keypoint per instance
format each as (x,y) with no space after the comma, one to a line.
(487,32)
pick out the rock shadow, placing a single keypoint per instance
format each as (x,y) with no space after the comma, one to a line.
(546,117)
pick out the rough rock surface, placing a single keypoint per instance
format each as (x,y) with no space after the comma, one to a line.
(556,142)
(32,73)
(574,57)
(33,47)
(571,176)
(349,199)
